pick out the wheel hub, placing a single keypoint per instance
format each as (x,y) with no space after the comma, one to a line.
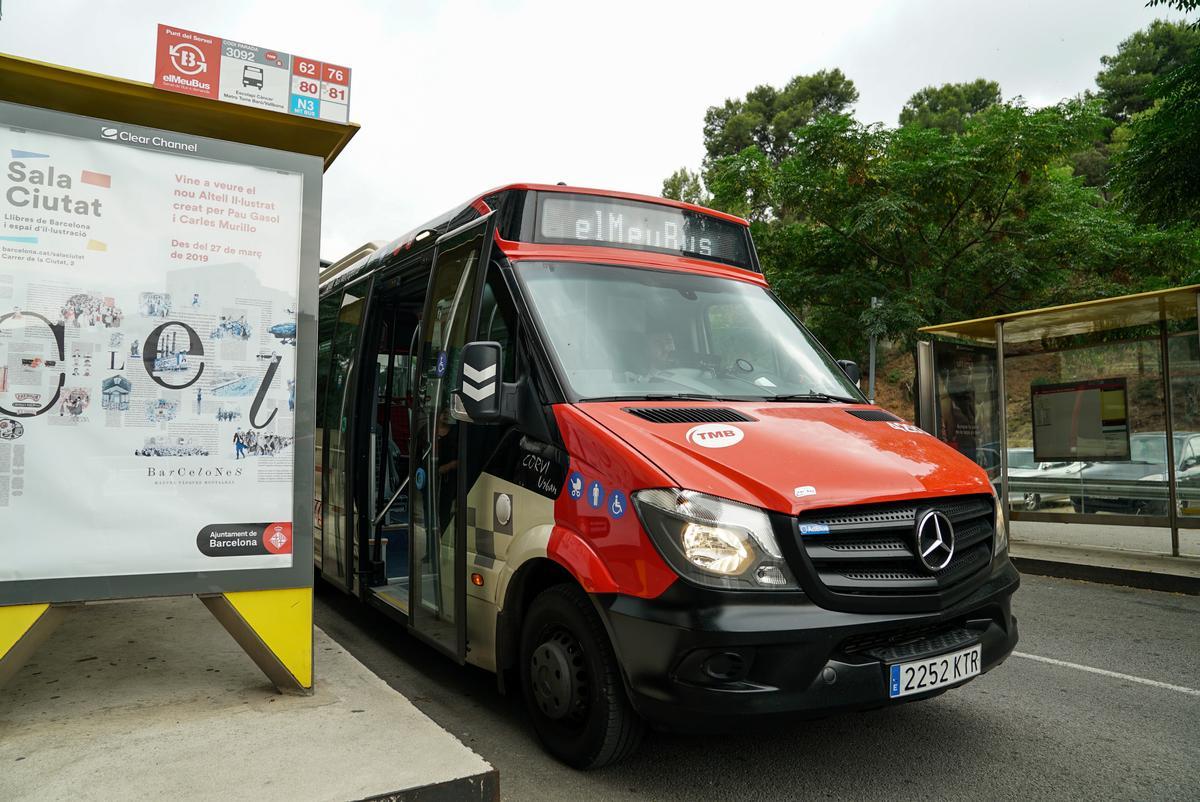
(557,676)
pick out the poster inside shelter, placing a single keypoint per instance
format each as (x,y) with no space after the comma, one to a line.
(968,408)
(148,303)
(1084,420)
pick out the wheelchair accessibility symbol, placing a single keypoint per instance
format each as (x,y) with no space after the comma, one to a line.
(616,504)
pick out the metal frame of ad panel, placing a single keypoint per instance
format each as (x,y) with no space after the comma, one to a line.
(965,403)
(91,135)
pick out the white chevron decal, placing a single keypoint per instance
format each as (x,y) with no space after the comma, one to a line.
(479,393)
(478,376)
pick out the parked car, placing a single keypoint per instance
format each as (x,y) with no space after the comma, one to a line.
(1023,468)
(1189,486)
(1187,481)
(1147,463)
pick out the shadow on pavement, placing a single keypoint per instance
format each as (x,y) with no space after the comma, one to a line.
(908,750)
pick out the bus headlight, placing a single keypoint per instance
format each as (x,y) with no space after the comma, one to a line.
(712,541)
(1000,529)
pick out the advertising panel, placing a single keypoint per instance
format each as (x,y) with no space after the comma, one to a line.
(151,305)
(968,405)
(1087,420)
(250,75)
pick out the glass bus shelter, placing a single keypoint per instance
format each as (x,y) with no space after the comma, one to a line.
(1086,416)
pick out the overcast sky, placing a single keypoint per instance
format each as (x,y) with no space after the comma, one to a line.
(459,96)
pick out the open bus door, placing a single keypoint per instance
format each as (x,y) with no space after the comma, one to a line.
(338,432)
(438,600)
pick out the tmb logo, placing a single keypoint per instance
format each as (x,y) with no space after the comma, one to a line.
(715,435)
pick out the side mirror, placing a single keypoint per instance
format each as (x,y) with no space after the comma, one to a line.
(480,389)
(850,368)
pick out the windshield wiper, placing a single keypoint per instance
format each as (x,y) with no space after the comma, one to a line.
(812,395)
(672,397)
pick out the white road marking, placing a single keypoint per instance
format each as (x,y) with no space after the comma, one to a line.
(1104,673)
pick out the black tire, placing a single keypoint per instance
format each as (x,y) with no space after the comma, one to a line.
(1033,502)
(1078,504)
(582,718)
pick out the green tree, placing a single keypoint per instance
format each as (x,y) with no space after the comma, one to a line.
(685,185)
(769,118)
(1158,172)
(940,225)
(1126,77)
(949,106)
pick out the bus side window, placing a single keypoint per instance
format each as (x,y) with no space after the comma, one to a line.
(498,323)
(498,320)
(326,322)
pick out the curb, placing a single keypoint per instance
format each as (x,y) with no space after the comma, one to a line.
(483,787)
(1109,575)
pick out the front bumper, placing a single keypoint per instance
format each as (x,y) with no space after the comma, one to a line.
(711,660)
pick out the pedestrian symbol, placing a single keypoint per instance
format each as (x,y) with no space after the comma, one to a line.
(595,495)
(616,504)
(441,363)
(575,485)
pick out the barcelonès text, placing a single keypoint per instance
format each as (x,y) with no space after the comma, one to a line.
(149,349)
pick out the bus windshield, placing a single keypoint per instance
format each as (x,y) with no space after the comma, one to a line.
(632,333)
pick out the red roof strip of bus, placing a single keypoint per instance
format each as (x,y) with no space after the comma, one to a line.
(517,251)
(608,193)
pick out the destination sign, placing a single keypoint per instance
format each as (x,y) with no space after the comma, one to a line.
(569,219)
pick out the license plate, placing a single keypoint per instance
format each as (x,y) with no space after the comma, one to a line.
(934,672)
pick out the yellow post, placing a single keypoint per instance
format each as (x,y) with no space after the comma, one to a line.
(275,627)
(23,627)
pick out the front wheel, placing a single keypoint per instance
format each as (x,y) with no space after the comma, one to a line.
(572,684)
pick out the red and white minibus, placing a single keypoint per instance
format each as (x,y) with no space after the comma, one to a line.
(571,437)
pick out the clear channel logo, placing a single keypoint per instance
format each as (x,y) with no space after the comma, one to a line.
(120,135)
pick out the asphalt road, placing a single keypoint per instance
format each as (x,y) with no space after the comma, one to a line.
(1029,729)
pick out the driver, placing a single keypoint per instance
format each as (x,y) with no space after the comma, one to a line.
(660,357)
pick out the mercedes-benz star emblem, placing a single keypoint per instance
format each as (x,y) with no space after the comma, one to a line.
(935,540)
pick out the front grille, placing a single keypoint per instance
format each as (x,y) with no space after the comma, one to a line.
(689,414)
(942,643)
(870,641)
(865,552)
(909,643)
